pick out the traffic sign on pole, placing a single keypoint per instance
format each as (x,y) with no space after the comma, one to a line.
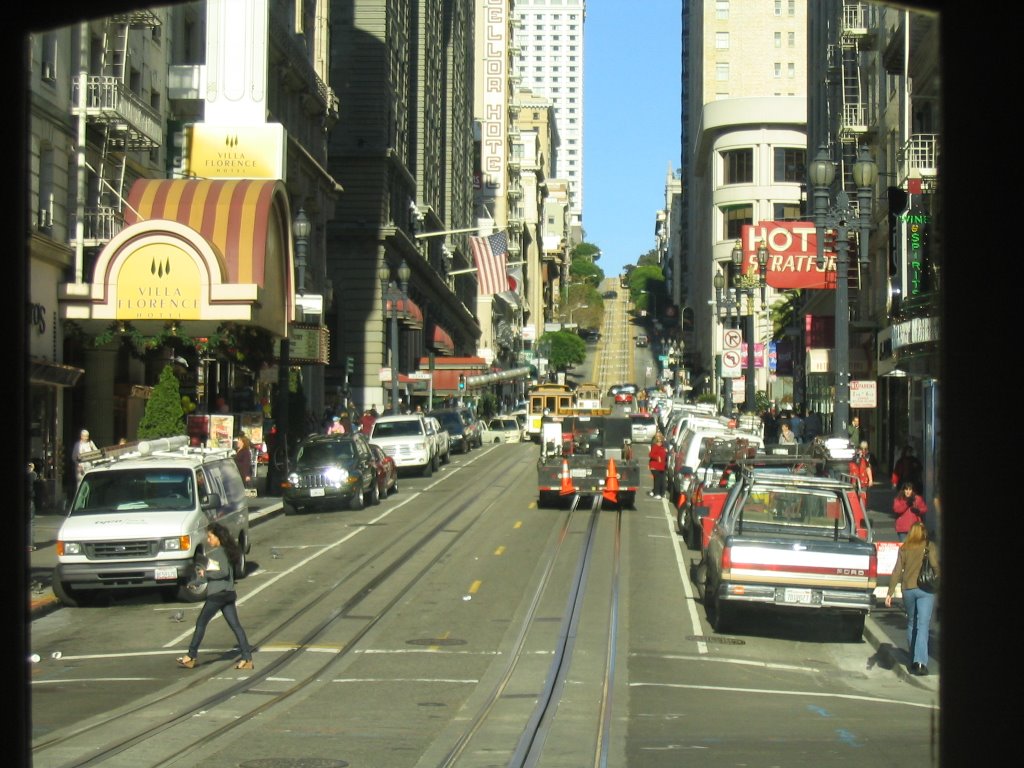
(732,357)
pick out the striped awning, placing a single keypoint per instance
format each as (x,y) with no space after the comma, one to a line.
(197,251)
(442,342)
(408,312)
(232,214)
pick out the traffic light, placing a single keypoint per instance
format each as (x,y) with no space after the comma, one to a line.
(462,381)
(350,365)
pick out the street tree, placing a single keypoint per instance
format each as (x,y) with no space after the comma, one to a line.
(564,349)
(164,416)
(644,282)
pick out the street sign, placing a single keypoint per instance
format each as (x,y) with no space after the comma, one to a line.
(863,394)
(732,356)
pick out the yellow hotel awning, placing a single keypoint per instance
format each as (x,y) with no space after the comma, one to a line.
(199,251)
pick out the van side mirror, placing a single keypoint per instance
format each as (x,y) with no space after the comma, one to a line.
(210,501)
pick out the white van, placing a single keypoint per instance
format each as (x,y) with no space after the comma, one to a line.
(139,520)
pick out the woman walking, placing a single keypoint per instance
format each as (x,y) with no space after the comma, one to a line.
(917,602)
(223,556)
(243,458)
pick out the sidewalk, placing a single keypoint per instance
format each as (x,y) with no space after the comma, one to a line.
(41,597)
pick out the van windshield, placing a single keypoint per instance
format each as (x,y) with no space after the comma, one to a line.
(152,490)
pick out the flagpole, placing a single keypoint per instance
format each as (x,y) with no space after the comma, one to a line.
(442,232)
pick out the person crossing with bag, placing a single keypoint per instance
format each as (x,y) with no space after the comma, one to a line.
(223,557)
(917,601)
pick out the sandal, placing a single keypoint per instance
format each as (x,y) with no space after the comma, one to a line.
(245,664)
(186,662)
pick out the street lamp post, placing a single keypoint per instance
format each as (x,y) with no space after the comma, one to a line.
(391,293)
(745,284)
(725,298)
(841,216)
(573,309)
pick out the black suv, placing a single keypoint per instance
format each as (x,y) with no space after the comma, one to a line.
(463,428)
(331,469)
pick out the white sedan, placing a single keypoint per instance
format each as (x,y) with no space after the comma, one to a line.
(501,429)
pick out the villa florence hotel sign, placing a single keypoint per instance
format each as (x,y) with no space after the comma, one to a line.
(792,254)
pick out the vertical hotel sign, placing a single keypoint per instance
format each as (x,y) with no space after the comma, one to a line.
(235,151)
(495,60)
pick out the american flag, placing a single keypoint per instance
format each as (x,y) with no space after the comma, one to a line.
(489,256)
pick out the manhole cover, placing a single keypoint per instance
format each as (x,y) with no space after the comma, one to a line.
(717,639)
(436,641)
(293,762)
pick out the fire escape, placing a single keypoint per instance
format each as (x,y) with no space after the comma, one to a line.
(857,34)
(116,121)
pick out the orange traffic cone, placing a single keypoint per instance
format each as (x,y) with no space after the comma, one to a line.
(566,488)
(611,483)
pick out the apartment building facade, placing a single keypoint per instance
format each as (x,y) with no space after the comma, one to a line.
(550,62)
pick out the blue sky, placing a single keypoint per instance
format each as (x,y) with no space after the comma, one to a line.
(631,123)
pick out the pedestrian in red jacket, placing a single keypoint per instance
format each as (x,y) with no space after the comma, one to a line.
(909,508)
(657,461)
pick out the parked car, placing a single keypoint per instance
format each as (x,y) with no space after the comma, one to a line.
(502,429)
(442,441)
(642,340)
(610,295)
(387,472)
(329,471)
(404,438)
(463,435)
(625,394)
(644,427)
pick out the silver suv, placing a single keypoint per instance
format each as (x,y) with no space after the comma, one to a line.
(405,438)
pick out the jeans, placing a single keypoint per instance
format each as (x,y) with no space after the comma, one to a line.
(225,603)
(659,481)
(918,604)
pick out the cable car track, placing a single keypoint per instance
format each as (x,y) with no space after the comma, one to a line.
(113,736)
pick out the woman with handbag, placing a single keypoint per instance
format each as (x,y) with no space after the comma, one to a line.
(917,570)
(223,557)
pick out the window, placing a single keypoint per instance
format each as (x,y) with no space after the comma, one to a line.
(786,212)
(791,8)
(791,69)
(44,200)
(778,69)
(789,164)
(722,41)
(791,39)
(734,217)
(722,71)
(778,7)
(49,57)
(778,39)
(721,9)
(738,166)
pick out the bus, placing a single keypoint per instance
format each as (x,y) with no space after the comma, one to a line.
(550,400)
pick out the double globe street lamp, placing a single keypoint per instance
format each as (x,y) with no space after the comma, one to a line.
(390,296)
(845,219)
(755,277)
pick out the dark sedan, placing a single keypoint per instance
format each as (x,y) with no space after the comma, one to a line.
(331,470)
